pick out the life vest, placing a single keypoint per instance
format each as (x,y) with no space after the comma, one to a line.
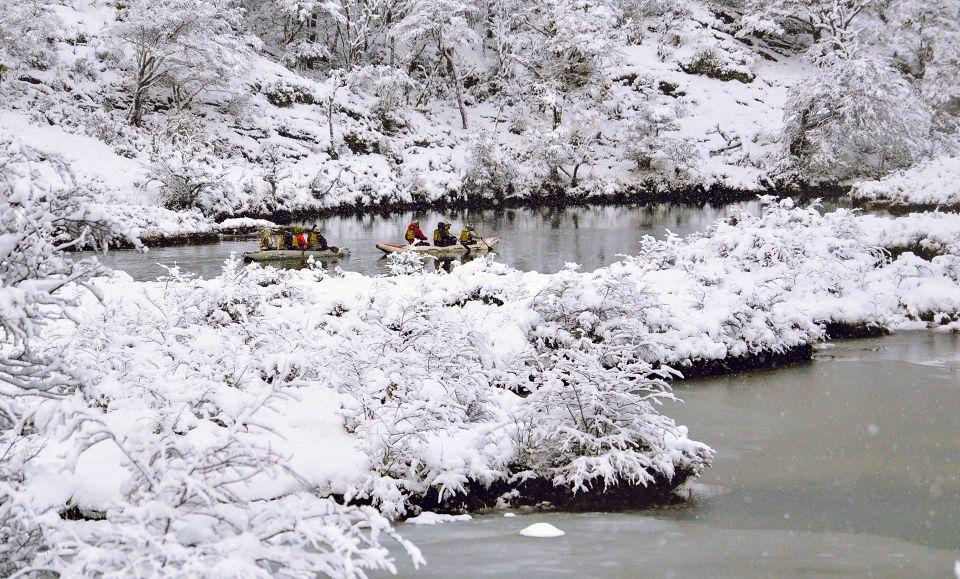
(467,236)
(314,240)
(410,235)
(300,241)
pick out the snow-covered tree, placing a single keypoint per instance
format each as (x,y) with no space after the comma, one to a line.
(490,171)
(287,27)
(855,118)
(926,47)
(439,28)
(831,25)
(560,50)
(569,148)
(653,147)
(187,178)
(24,30)
(186,46)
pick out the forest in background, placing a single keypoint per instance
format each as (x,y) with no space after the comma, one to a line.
(256,108)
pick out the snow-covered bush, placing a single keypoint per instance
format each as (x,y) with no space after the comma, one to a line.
(489,172)
(283,93)
(186,465)
(591,417)
(44,212)
(722,62)
(24,30)
(405,263)
(930,183)
(186,511)
(855,118)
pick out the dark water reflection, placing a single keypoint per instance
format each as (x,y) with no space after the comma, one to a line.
(534,239)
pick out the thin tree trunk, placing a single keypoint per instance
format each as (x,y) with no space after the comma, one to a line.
(330,106)
(456,85)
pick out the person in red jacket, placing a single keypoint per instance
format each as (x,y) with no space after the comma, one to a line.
(414,235)
(299,239)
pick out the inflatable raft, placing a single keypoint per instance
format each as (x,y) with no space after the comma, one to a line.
(448,251)
(295,254)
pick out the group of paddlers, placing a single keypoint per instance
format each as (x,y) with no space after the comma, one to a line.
(296,238)
(300,239)
(441,235)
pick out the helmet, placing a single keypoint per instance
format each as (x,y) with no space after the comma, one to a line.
(414,222)
(298,229)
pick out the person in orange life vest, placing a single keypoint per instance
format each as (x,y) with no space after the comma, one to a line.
(317,241)
(299,239)
(414,235)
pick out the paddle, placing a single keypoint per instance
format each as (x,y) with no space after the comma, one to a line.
(483,240)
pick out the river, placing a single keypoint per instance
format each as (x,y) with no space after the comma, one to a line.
(848,465)
(534,239)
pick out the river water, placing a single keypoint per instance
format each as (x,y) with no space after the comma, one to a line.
(848,465)
(534,239)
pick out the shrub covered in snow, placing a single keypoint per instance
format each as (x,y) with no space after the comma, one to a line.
(720,64)
(934,182)
(181,464)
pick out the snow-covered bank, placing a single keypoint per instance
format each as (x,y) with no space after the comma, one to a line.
(159,227)
(925,234)
(935,183)
(433,373)
(265,109)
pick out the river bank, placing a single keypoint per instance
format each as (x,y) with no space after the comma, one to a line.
(159,227)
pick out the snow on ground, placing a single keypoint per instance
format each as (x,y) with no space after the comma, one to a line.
(934,182)
(207,408)
(89,158)
(156,223)
(431,518)
(730,127)
(244,223)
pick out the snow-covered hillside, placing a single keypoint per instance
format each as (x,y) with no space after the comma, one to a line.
(261,107)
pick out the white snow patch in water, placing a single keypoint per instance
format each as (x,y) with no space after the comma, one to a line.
(542,530)
(431,518)
(509,514)
(694,491)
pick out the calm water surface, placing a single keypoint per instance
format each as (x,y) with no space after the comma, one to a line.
(533,239)
(848,465)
